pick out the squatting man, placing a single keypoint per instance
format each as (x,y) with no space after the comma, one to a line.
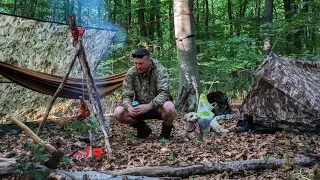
(147,83)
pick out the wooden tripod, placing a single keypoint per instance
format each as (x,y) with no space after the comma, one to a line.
(94,98)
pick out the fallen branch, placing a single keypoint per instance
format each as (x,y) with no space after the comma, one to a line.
(4,162)
(210,168)
(97,175)
(146,172)
(68,175)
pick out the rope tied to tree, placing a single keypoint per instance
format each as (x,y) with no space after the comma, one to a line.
(189,36)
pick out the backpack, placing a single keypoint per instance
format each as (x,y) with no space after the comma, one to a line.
(223,106)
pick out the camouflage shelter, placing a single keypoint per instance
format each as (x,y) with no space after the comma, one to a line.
(286,94)
(45,47)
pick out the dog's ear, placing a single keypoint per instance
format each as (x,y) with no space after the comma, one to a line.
(185,117)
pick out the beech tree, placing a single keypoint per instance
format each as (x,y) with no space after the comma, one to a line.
(189,84)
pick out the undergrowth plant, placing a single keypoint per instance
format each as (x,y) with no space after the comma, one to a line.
(35,155)
(82,127)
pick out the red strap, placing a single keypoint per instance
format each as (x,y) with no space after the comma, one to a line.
(77,33)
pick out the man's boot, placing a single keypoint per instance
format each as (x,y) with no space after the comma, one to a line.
(143,129)
(166,131)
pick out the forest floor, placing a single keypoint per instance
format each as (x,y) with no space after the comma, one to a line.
(183,149)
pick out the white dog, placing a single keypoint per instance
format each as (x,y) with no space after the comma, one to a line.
(194,123)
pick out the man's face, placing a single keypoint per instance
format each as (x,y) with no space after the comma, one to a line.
(142,64)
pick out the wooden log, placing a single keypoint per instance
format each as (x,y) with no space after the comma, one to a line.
(210,168)
(4,162)
(98,175)
(172,172)
(68,175)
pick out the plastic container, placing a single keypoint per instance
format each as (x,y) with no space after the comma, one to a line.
(135,103)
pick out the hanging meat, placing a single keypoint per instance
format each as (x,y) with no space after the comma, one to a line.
(84,111)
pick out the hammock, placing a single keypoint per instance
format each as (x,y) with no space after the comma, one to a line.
(48,83)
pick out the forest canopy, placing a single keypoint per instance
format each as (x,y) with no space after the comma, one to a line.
(229,34)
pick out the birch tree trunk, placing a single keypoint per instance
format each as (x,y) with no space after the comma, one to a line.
(189,84)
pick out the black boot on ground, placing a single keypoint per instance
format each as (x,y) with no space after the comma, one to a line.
(166,131)
(143,129)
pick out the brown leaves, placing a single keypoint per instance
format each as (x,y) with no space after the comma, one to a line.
(182,149)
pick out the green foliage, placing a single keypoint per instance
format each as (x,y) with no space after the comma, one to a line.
(200,138)
(125,136)
(286,144)
(215,148)
(36,154)
(1,148)
(66,160)
(163,140)
(33,173)
(173,155)
(227,65)
(82,128)
(122,134)
(227,55)
(266,157)
(130,136)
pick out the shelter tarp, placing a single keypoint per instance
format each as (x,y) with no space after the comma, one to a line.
(286,94)
(48,83)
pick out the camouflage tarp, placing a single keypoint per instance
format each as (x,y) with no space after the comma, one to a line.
(46,47)
(286,94)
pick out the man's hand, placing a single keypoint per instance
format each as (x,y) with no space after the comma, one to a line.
(141,109)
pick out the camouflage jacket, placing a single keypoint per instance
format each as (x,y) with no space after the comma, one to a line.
(152,86)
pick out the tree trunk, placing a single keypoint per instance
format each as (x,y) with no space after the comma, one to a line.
(186,51)
(230,18)
(128,20)
(258,9)
(158,23)
(287,10)
(151,25)
(206,21)
(143,30)
(170,9)
(212,12)
(267,18)
(197,15)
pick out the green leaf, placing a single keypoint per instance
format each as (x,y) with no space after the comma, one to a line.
(163,140)
(66,160)
(286,143)
(130,136)
(200,138)
(173,155)
(215,148)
